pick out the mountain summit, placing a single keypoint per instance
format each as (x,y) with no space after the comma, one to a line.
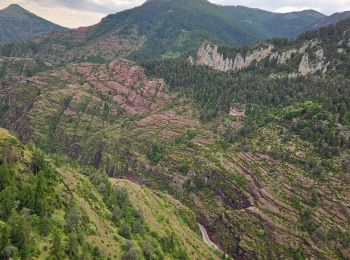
(16,24)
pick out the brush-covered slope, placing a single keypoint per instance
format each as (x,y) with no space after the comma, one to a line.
(54,211)
(17,24)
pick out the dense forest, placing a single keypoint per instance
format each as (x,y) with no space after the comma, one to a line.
(320,105)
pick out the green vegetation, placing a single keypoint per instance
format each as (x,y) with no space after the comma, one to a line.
(135,165)
(41,215)
(276,24)
(165,29)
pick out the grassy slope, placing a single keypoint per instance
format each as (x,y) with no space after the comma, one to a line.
(99,230)
(166,215)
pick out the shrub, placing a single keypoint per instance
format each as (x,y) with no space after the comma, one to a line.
(126,231)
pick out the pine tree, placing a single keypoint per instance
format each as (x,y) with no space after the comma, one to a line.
(4,237)
(21,232)
(39,195)
(7,201)
(57,246)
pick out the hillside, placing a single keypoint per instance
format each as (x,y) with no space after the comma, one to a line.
(251,144)
(17,24)
(332,19)
(154,29)
(55,211)
(274,182)
(288,25)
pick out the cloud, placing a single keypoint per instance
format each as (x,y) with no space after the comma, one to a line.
(288,9)
(75,13)
(60,14)
(324,6)
(101,6)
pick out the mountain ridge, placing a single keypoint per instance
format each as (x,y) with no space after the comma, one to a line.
(17,24)
(163,29)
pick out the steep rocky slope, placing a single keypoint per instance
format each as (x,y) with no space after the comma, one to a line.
(84,96)
(17,24)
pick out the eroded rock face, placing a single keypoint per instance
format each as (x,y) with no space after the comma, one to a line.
(127,84)
(190,60)
(319,53)
(286,56)
(318,65)
(208,55)
(304,68)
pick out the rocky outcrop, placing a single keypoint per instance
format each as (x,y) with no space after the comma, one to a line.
(258,55)
(318,65)
(190,60)
(304,68)
(286,56)
(208,55)
(127,84)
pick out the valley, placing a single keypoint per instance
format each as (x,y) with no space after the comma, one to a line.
(133,142)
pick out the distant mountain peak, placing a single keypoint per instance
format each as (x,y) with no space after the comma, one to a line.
(14,8)
(19,24)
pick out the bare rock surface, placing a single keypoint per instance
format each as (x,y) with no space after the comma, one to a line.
(209,55)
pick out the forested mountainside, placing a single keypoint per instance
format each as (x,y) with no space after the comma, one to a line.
(261,157)
(18,24)
(332,19)
(288,25)
(162,29)
(52,210)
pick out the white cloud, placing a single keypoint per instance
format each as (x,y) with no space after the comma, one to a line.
(61,15)
(288,9)
(324,6)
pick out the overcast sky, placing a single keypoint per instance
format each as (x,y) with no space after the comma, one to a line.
(75,13)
